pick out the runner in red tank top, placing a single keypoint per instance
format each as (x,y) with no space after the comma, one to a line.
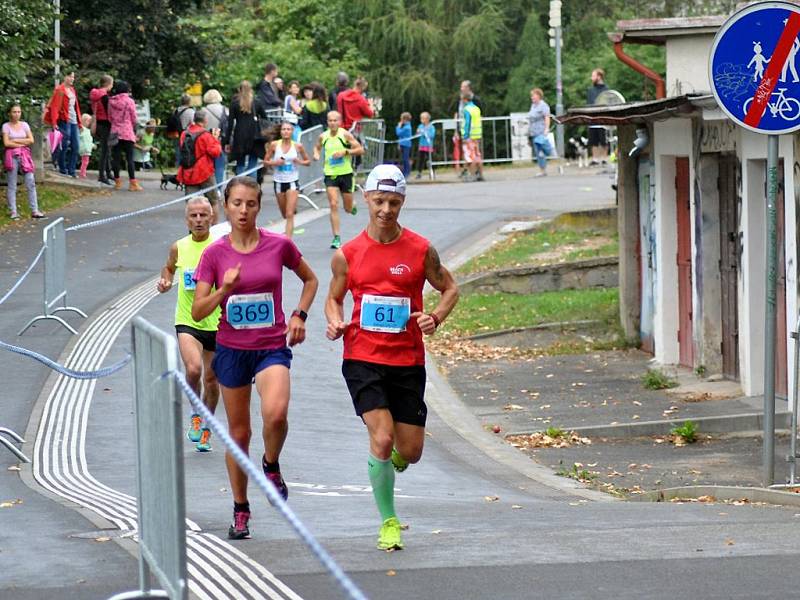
(385,269)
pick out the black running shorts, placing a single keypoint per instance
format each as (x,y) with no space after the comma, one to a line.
(281,187)
(345,183)
(207,338)
(400,389)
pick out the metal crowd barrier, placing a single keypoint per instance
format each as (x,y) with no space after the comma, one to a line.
(158,385)
(55,291)
(161,498)
(371,134)
(496,146)
(310,176)
(6,432)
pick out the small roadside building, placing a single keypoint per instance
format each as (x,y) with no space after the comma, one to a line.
(692,216)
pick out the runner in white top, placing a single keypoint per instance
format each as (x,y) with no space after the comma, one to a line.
(285,154)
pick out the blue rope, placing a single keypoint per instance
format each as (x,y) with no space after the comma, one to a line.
(257,475)
(104,372)
(142,211)
(24,275)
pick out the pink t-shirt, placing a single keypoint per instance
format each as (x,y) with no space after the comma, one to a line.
(262,271)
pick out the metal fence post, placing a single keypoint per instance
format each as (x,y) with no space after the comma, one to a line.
(55,264)
(159,465)
(311,175)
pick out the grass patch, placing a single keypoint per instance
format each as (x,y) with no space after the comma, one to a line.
(50,196)
(479,313)
(656,379)
(571,236)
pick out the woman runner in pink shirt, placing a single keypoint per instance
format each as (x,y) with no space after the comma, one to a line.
(243,273)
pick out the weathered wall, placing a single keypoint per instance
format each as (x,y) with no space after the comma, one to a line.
(628,230)
(577,275)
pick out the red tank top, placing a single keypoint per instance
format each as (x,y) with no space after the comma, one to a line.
(396,270)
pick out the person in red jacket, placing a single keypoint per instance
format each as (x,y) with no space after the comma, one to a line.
(99,99)
(196,171)
(352,104)
(64,113)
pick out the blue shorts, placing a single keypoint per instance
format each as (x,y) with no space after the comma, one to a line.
(235,368)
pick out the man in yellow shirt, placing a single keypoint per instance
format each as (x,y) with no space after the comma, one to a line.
(196,339)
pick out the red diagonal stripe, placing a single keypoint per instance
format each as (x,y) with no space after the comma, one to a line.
(776,62)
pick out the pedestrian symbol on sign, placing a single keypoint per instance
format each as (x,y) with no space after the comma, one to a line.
(753,67)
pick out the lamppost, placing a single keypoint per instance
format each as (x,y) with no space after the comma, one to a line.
(57,35)
(556,42)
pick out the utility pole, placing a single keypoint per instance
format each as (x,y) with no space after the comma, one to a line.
(556,42)
(57,35)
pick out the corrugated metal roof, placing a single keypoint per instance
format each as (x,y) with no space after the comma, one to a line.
(633,112)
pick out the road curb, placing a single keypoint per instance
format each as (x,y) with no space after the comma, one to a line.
(721,492)
(719,424)
(448,406)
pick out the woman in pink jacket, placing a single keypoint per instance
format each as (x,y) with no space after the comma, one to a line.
(122,115)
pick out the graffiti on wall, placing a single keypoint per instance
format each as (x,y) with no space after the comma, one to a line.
(718,136)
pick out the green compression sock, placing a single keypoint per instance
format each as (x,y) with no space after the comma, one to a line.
(381,476)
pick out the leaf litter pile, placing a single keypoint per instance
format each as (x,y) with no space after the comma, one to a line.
(541,439)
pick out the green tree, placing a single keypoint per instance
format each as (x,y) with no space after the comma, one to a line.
(308,40)
(147,43)
(26,46)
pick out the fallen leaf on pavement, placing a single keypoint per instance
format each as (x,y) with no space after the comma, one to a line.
(515,506)
(404,526)
(15,468)
(513,407)
(729,542)
(436,531)
(706,499)
(491,498)
(637,403)
(391,572)
(102,539)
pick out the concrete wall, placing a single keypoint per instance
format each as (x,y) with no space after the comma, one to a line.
(753,262)
(576,275)
(671,138)
(687,64)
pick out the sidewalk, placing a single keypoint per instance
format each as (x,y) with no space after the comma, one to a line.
(623,443)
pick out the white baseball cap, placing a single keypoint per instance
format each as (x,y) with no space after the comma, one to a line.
(386,178)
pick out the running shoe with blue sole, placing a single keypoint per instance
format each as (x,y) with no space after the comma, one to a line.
(195,428)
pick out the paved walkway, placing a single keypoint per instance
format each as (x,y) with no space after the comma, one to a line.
(482,523)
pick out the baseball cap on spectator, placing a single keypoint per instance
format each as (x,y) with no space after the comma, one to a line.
(386,178)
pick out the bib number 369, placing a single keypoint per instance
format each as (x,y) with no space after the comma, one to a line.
(250,311)
(385,314)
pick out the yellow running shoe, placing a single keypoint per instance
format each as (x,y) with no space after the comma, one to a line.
(389,535)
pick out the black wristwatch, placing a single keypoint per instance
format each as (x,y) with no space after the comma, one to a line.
(300,313)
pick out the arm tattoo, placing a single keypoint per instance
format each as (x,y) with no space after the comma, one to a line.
(436,264)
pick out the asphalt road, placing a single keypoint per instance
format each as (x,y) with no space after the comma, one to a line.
(483,522)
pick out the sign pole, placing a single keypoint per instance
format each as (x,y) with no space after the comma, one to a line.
(769,325)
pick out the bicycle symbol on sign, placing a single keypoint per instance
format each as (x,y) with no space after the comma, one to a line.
(787,108)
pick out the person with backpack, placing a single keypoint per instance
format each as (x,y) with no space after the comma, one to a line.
(199,149)
(177,123)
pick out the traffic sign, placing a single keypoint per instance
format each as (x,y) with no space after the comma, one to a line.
(754,67)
